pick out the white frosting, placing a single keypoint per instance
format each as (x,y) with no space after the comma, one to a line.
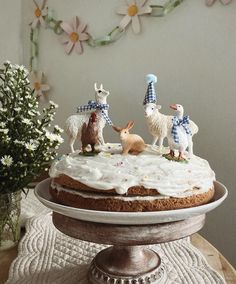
(106,171)
(93,195)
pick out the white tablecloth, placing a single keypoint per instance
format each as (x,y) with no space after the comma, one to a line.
(49,257)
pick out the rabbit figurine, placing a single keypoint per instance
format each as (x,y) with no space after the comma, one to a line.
(131,143)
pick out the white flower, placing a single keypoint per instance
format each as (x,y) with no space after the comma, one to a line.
(3,109)
(59,129)
(5,131)
(17,108)
(59,139)
(31,113)
(7,62)
(7,160)
(6,89)
(26,121)
(18,142)
(31,146)
(53,104)
(38,131)
(50,136)
(2,124)
(54,137)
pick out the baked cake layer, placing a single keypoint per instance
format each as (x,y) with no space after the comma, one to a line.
(101,202)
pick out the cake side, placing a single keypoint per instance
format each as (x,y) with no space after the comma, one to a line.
(91,201)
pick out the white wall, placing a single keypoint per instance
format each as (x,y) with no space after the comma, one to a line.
(10,31)
(192,51)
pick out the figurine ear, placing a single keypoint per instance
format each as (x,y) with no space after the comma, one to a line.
(158,106)
(116,128)
(101,87)
(95,87)
(130,124)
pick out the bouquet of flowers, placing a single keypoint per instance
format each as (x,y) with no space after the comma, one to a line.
(26,145)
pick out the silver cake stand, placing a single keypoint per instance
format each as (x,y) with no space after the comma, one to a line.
(128,260)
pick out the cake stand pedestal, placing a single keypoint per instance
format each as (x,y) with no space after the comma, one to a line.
(128,261)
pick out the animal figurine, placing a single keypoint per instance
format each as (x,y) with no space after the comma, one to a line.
(75,122)
(131,143)
(179,136)
(158,124)
(89,133)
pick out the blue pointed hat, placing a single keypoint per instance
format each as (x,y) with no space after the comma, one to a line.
(150,96)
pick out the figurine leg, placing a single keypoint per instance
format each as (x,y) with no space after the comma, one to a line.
(154,141)
(190,148)
(71,143)
(101,139)
(93,147)
(160,144)
(181,156)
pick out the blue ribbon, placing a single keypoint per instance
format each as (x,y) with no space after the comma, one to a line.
(180,122)
(96,106)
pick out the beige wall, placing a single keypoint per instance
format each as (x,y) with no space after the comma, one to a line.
(10,31)
(192,51)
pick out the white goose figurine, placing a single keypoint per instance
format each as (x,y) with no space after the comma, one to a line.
(179,136)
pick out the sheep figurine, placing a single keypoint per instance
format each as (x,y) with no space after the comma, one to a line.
(74,123)
(159,124)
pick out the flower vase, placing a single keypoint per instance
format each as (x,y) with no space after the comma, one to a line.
(10,207)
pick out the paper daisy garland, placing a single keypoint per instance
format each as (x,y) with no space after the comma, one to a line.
(37,83)
(211,2)
(132,11)
(74,34)
(39,13)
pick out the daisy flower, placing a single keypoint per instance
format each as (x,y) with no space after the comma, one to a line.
(39,12)
(26,121)
(30,146)
(211,2)
(7,160)
(75,33)
(132,11)
(54,105)
(36,81)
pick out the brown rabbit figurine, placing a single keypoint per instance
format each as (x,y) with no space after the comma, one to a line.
(131,143)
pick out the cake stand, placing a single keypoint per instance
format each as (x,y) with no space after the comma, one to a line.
(128,260)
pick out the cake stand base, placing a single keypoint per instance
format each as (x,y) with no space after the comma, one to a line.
(127,264)
(128,261)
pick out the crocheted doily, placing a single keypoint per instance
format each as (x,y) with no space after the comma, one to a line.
(49,257)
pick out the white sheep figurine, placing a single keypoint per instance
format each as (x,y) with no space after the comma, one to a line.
(75,122)
(159,124)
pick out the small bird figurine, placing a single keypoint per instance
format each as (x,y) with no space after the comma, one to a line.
(89,133)
(179,136)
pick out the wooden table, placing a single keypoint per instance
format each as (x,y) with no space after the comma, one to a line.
(214,258)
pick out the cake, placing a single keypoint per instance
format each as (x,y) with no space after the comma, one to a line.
(131,176)
(111,181)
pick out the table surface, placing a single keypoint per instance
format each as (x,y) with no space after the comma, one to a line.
(215,259)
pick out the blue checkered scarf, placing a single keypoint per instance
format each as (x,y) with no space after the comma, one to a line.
(180,122)
(97,106)
(150,96)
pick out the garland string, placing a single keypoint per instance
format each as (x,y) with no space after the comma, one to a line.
(114,35)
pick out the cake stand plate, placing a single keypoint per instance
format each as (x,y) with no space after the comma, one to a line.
(129,218)
(127,261)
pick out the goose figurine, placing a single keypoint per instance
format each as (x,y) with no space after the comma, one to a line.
(179,136)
